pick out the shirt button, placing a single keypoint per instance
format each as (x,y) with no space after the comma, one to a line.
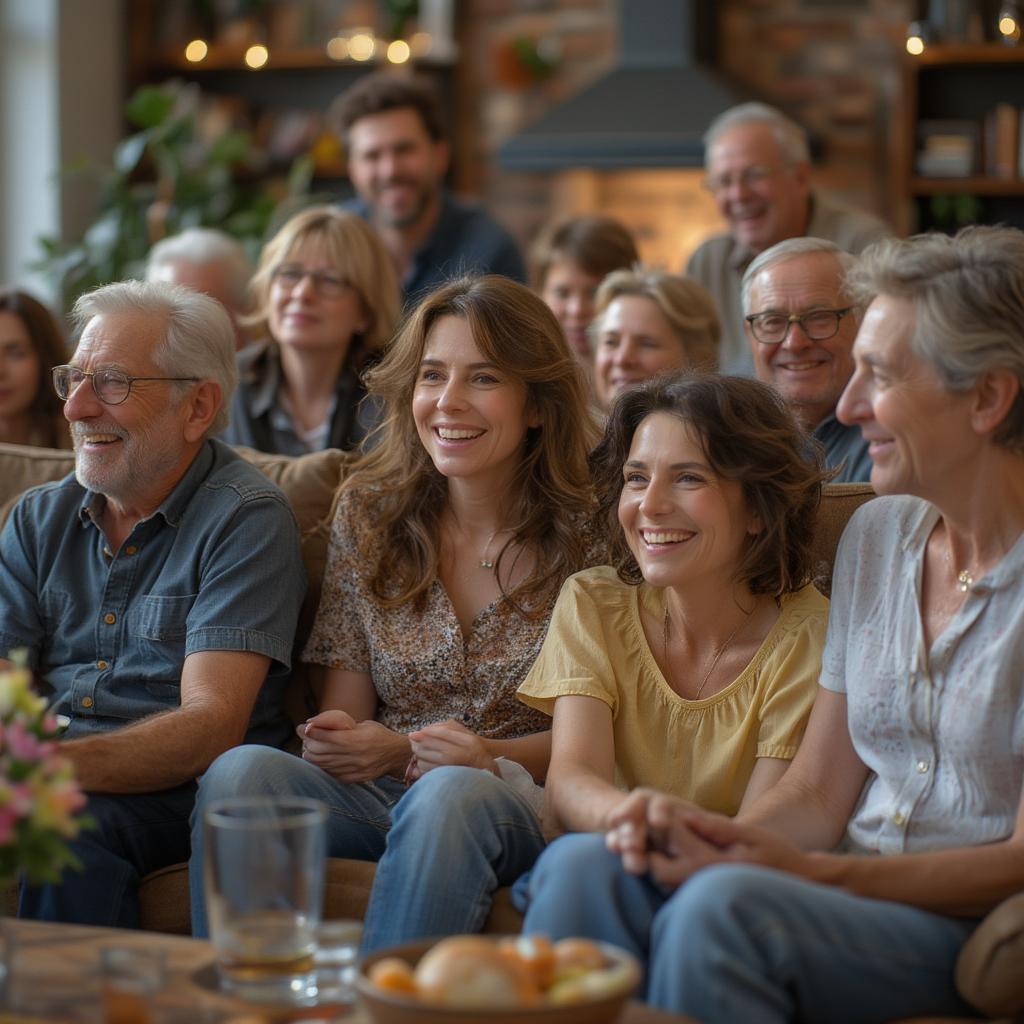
(131,549)
(100,664)
(923,766)
(898,818)
(87,702)
(110,618)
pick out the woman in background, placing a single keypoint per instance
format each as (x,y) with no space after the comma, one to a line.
(327,302)
(648,323)
(451,539)
(31,345)
(567,264)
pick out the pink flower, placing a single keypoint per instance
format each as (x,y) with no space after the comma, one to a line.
(24,746)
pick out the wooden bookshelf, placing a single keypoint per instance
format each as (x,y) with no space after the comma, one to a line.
(957,82)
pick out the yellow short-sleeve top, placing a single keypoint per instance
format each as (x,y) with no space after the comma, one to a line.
(700,750)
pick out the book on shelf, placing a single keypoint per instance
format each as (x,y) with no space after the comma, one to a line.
(947,149)
(1002,141)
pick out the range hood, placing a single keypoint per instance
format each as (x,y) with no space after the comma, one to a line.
(650,111)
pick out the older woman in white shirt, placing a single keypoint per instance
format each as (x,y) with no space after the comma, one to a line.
(846,891)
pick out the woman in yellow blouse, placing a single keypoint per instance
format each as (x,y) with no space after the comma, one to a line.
(689,668)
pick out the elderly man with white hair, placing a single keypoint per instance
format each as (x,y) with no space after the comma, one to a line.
(801,324)
(156,589)
(758,169)
(208,261)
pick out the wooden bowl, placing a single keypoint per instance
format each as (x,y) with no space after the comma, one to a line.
(391,1008)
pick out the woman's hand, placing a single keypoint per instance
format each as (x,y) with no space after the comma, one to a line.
(352,751)
(697,838)
(640,824)
(447,743)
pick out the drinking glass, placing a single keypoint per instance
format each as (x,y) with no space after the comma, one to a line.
(264,875)
(336,958)
(132,978)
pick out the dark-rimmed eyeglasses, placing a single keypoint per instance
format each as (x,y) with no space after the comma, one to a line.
(325,284)
(818,324)
(112,387)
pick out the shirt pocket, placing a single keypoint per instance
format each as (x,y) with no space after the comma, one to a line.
(164,618)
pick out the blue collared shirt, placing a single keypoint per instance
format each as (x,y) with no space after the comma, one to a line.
(465,240)
(217,567)
(845,448)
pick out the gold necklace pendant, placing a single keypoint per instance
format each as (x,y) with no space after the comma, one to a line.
(485,563)
(964,580)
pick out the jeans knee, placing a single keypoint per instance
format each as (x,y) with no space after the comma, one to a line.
(450,794)
(576,858)
(248,770)
(716,900)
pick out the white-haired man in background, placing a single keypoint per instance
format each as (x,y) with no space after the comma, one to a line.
(759,170)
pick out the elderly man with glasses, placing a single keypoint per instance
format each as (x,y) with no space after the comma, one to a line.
(758,169)
(156,589)
(801,326)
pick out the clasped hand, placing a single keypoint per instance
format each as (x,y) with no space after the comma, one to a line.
(448,742)
(670,839)
(351,751)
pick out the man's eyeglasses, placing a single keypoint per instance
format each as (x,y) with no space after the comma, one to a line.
(326,284)
(748,177)
(818,324)
(112,387)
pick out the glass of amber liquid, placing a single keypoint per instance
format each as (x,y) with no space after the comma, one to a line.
(264,876)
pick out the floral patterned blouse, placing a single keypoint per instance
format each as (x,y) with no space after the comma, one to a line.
(423,669)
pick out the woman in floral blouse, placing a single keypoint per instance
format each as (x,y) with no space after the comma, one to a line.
(451,538)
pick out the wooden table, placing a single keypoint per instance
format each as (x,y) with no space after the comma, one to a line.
(55,976)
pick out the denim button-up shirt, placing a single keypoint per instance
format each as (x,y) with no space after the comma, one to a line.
(216,567)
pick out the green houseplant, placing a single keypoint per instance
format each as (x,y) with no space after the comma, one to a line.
(164,178)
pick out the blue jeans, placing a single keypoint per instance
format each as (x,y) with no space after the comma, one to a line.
(744,943)
(443,845)
(135,833)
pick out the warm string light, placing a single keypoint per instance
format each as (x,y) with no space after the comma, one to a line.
(398,51)
(337,47)
(1008,27)
(362,46)
(915,38)
(256,56)
(196,51)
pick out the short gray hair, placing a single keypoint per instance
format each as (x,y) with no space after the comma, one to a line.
(199,247)
(788,249)
(199,340)
(968,295)
(792,139)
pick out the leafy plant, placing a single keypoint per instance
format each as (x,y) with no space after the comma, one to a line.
(165,178)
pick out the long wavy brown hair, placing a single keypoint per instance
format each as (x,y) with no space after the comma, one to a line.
(551,495)
(47,339)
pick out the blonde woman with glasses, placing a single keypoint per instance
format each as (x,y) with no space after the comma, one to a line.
(327,301)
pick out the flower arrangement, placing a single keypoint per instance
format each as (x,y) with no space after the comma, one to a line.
(39,798)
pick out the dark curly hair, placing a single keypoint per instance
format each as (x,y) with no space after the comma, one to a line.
(748,435)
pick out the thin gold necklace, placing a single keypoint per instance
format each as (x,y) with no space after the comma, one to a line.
(486,562)
(718,654)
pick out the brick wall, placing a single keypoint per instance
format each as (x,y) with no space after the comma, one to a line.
(833,64)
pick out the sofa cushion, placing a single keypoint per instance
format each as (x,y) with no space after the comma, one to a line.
(163,896)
